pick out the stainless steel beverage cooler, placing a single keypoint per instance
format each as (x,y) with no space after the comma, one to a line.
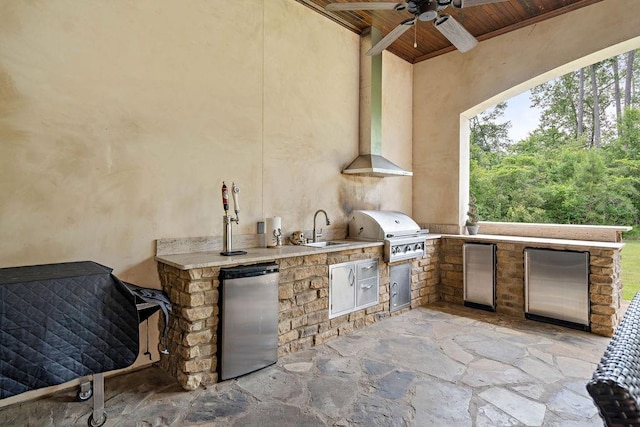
(479,276)
(557,287)
(248,328)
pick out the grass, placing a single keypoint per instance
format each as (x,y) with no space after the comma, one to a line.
(630,269)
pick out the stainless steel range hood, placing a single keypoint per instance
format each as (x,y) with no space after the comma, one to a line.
(370,161)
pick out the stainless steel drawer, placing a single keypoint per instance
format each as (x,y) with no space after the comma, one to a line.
(367,292)
(368,270)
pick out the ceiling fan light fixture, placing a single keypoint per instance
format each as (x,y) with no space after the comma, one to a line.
(429,15)
(455,33)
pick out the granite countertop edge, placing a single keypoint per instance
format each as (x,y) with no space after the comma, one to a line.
(492,238)
(190,261)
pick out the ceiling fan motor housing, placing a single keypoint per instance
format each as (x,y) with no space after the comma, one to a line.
(426,10)
(422,10)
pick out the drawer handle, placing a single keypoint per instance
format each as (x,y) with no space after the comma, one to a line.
(365,286)
(368,267)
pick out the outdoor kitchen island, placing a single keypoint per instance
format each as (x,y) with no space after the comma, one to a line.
(190,278)
(604,284)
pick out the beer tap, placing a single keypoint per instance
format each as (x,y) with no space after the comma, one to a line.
(236,206)
(227,240)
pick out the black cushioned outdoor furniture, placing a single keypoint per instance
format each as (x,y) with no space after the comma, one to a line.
(59,322)
(615,387)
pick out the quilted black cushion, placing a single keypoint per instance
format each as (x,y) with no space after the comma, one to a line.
(59,322)
(615,386)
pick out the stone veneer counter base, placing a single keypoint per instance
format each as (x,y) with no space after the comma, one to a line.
(191,282)
(605,283)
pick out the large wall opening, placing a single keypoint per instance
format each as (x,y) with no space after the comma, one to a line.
(578,163)
(450,89)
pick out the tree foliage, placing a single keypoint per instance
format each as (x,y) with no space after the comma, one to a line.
(580,166)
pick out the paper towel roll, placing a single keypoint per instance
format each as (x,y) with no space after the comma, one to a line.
(273,231)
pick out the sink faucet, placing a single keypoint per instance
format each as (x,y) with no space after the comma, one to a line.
(318,235)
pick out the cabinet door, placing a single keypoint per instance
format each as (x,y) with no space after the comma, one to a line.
(367,284)
(400,286)
(342,297)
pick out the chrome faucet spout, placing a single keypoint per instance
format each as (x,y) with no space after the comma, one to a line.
(318,235)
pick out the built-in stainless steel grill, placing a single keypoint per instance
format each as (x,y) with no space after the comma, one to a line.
(402,236)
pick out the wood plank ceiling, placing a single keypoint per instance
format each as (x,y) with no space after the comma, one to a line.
(482,21)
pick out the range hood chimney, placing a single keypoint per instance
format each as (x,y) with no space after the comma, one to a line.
(370,161)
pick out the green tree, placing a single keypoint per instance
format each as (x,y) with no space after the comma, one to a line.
(557,174)
(487,132)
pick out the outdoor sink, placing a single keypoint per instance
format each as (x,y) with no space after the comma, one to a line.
(326,244)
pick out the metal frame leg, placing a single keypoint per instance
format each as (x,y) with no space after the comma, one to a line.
(99,416)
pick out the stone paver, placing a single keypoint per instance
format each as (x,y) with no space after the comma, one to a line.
(525,410)
(440,365)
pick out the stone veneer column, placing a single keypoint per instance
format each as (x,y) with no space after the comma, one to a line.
(425,277)
(605,268)
(193,324)
(510,279)
(451,279)
(605,291)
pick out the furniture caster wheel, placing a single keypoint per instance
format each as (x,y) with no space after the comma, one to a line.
(84,396)
(97,423)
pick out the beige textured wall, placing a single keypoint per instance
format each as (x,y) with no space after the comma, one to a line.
(450,89)
(120,120)
(311,121)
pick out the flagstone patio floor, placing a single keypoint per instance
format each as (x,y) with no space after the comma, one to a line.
(440,365)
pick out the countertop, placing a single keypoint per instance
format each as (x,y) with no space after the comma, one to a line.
(193,260)
(493,238)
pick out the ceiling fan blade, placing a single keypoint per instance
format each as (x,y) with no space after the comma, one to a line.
(468,3)
(391,37)
(455,33)
(362,6)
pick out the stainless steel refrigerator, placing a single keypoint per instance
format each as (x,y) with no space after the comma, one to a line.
(248,328)
(557,287)
(479,262)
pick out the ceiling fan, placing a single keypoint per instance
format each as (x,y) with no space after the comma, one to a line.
(423,10)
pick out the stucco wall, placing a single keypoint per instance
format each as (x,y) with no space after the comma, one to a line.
(451,88)
(119,120)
